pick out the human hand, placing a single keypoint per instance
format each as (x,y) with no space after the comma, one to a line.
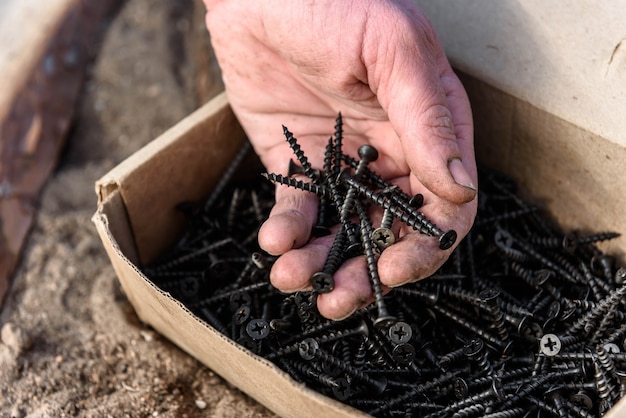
(297,63)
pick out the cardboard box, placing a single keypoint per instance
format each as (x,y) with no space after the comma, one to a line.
(137,221)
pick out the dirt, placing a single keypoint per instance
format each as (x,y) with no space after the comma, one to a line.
(71,344)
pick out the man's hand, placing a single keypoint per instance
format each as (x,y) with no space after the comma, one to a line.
(380,63)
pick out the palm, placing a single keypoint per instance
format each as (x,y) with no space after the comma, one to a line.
(291,76)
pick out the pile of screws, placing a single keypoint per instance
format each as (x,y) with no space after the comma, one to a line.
(522,320)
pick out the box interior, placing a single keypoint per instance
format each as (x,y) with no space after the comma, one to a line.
(562,167)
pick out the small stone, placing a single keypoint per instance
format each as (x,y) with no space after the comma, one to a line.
(15,338)
(200,404)
(147,336)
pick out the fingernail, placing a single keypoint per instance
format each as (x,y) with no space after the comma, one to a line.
(460,174)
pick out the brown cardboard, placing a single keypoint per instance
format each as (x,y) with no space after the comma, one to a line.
(576,175)
(136,219)
(567,58)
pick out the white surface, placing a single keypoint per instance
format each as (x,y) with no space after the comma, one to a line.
(567,57)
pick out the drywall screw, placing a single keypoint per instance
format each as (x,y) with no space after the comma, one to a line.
(368,154)
(323,281)
(448,359)
(310,349)
(384,318)
(398,401)
(400,332)
(307,370)
(320,191)
(403,354)
(238,299)
(603,264)
(338,140)
(240,316)
(235,200)
(489,297)
(587,321)
(415,219)
(551,344)
(302,159)
(387,219)
(461,389)
(383,238)
(504,242)
(543,406)
(258,329)
(582,399)
(576,409)
(190,256)
(605,388)
(531,252)
(470,327)
(220,297)
(213,321)
(469,411)
(491,220)
(493,393)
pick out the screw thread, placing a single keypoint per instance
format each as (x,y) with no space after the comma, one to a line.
(302,159)
(297,184)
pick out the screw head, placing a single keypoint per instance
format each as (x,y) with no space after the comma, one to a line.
(503,239)
(368,153)
(568,311)
(241,315)
(307,348)
(400,332)
(489,295)
(189,287)
(569,243)
(473,347)
(383,238)
(322,282)
(384,321)
(550,345)
(239,299)
(258,329)
(542,276)
(447,239)
(403,354)
(460,388)
(611,348)
(248,343)
(554,309)
(417,201)
(582,399)
(342,390)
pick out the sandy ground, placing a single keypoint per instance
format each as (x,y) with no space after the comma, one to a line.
(71,343)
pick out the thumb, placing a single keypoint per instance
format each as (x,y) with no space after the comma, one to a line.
(428,108)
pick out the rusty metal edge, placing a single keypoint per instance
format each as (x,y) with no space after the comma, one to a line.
(35,129)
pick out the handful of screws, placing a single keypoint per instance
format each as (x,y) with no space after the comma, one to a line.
(522,320)
(346,192)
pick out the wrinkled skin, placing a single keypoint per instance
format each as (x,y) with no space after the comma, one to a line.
(380,63)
